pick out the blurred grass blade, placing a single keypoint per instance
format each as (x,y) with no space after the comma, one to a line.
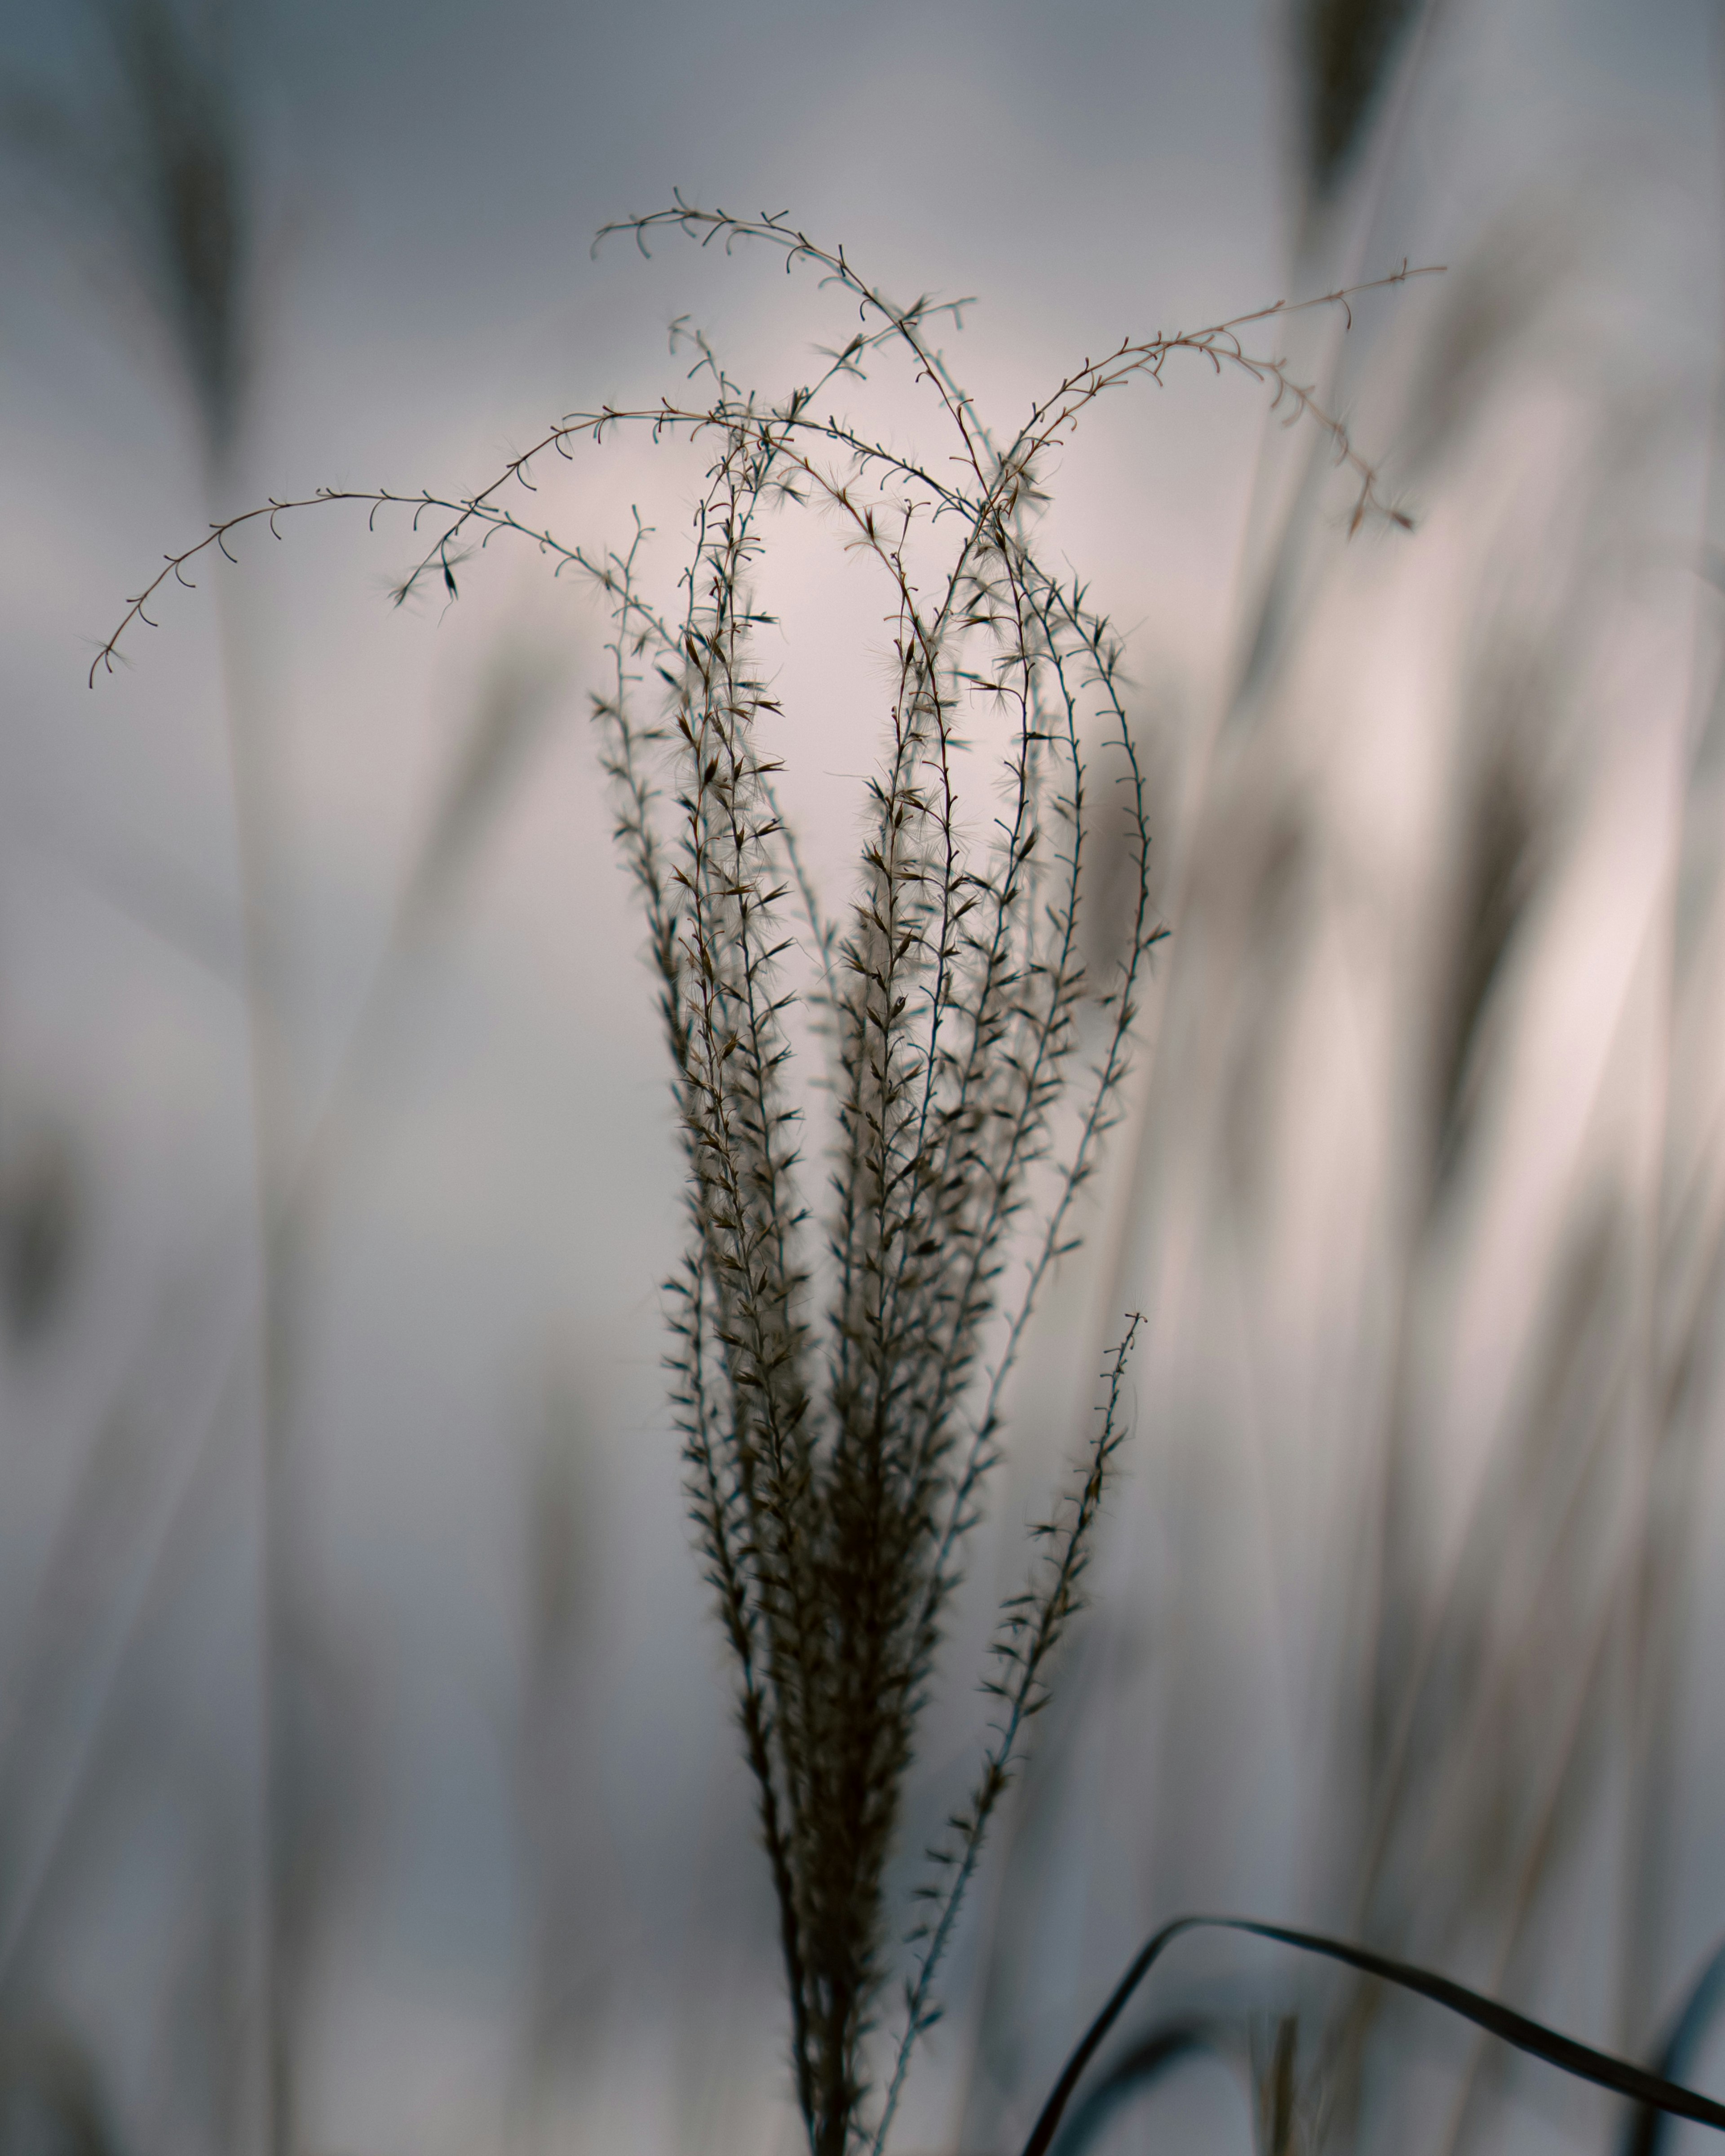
(1534,2037)
(508,725)
(1646,2130)
(1346,50)
(1147,2061)
(158,173)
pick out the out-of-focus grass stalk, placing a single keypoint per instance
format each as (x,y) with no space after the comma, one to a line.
(162,182)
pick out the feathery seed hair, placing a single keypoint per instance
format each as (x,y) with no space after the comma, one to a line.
(839,1420)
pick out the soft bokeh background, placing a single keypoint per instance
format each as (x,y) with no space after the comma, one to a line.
(377,1584)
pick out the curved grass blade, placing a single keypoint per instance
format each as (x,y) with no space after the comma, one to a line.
(1646,2134)
(1147,2061)
(1580,2060)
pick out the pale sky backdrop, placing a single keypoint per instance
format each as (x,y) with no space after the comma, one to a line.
(485,1270)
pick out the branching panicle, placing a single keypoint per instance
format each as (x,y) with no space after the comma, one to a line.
(837,1437)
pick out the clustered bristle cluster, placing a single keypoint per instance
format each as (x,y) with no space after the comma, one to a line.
(837,1439)
(838,1422)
